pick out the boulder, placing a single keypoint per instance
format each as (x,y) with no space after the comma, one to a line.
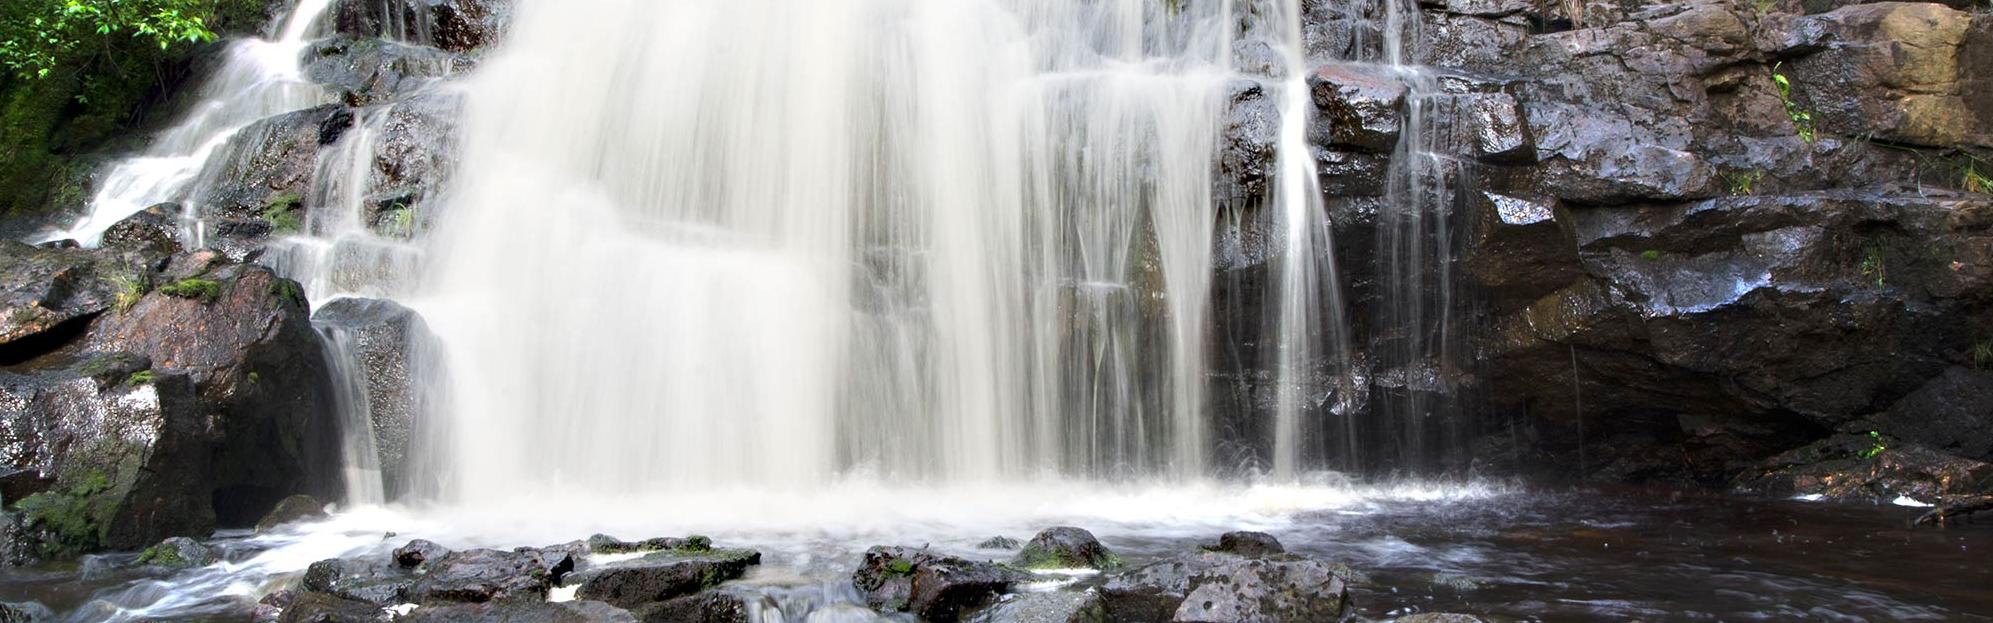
(418,552)
(999,542)
(265,183)
(290,510)
(483,575)
(1052,607)
(243,336)
(706,607)
(155,230)
(47,296)
(179,553)
(389,346)
(369,580)
(1953,413)
(931,586)
(663,575)
(1248,544)
(1214,587)
(322,608)
(1065,547)
(1891,70)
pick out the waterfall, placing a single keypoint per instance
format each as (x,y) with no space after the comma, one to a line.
(258,79)
(362,468)
(776,243)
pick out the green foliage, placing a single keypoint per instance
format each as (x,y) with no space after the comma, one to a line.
(1872,265)
(142,377)
(1802,120)
(1982,355)
(131,289)
(1651,255)
(1876,447)
(899,566)
(1763,7)
(70,515)
(39,37)
(282,213)
(201,289)
(1974,175)
(1743,183)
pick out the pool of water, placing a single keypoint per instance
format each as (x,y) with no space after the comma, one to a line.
(1515,552)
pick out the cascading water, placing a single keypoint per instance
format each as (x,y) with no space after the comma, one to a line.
(260,78)
(959,240)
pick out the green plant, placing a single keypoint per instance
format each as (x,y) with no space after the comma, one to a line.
(1982,355)
(164,555)
(1875,446)
(1872,265)
(282,213)
(200,289)
(142,377)
(1763,7)
(899,566)
(1651,255)
(1972,178)
(1802,120)
(254,377)
(130,290)
(1744,183)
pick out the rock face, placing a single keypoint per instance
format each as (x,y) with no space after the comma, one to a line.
(930,586)
(150,397)
(452,25)
(1214,586)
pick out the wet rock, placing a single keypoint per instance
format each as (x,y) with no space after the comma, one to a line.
(416,156)
(1246,159)
(999,542)
(482,575)
(1520,250)
(105,454)
(1361,105)
(268,173)
(369,580)
(1052,607)
(323,608)
(368,71)
(388,343)
(1889,70)
(523,612)
(179,553)
(605,544)
(1953,414)
(1217,587)
(453,25)
(47,295)
(1867,468)
(1065,547)
(243,336)
(1249,544)
(706,607)
(292,510)
(155,230)
(418,552)
(930,586)
(664,575)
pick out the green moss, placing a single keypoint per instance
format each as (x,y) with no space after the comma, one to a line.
(203,290)
(71,516)
(899,567)
(289,291)
(697,543)
(164,555)
(282,212)
(1651,255)
(142,377)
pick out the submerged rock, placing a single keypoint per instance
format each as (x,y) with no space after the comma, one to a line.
(179,553)
(663,575)
(1219,587)
(932,587)
(28,612)
(390,344)
(1066,547)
